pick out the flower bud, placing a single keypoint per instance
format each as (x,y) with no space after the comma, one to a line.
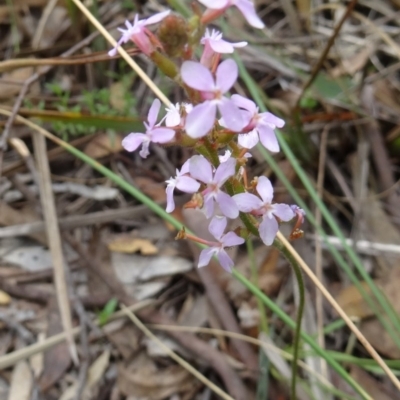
(173,34)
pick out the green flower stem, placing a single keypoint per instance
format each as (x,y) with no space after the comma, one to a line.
(297,333)
(392,326)
(253,289)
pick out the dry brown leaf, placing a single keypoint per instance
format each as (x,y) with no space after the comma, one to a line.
(352,302)
(11,82)
(129,244)
(372,386)
(4,298)
(57,359)
(21,382)
(353,64)
(103,145)
(155,190)
(144,380)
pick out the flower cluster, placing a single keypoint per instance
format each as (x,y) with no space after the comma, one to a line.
(208,122)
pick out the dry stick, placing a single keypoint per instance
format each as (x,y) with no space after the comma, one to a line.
(9,65)
(42,23)
(324,54)
(340,311)
(318,248)
(123,53)
(54,239)
(174,356)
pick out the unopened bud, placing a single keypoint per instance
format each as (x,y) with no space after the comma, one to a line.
(173,35)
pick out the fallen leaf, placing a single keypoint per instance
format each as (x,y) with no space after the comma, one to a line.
(353,64)
(103,145)
(57,359)
(144,380)
(129,244)
(4,298)
(21,382)
(353,303)
(11,82)
(155,190)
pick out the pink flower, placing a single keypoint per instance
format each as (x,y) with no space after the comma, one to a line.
(201,170)
(154,133)
(213,43)
(173,116)
(138,33)
(202,118)
(183,182)
(217,228)
(248,202)
(246,7)
(261,126)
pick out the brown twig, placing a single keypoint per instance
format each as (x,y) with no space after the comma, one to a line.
(54,238)
(322,58)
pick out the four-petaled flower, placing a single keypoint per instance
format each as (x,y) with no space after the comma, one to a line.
(213,43)
(246,7)
(261,126)
(202,118)
(250,203)
(154,133)
(138,33)
(183,182)
(201,170)
(217,228)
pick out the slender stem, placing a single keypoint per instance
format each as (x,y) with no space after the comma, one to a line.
(297,333)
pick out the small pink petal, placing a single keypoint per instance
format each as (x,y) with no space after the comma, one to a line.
(268,230)
(197,76)
(201,119)
(133,141)
(156,18)
(231,239)
(265,189)
(246,7)
(245,103)
(227,205)
(185,167)
(162,135)
(268,138)
(205,256)
(239,44)
(225,261)
(224,171)
(170,199)
(187,184)
(232,117)
(247,202)
(272,119)
(200,169)
(248,140)
(217,227)
(283,211)
(220,46)
(153,113)
(226,75)
(144,152)
(215,4)
(208,207)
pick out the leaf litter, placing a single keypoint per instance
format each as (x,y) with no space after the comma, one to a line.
(140,252)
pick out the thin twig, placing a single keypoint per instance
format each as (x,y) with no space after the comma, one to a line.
(174,356)
(325,53)
(54,239)
(340,311)
(318,248)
